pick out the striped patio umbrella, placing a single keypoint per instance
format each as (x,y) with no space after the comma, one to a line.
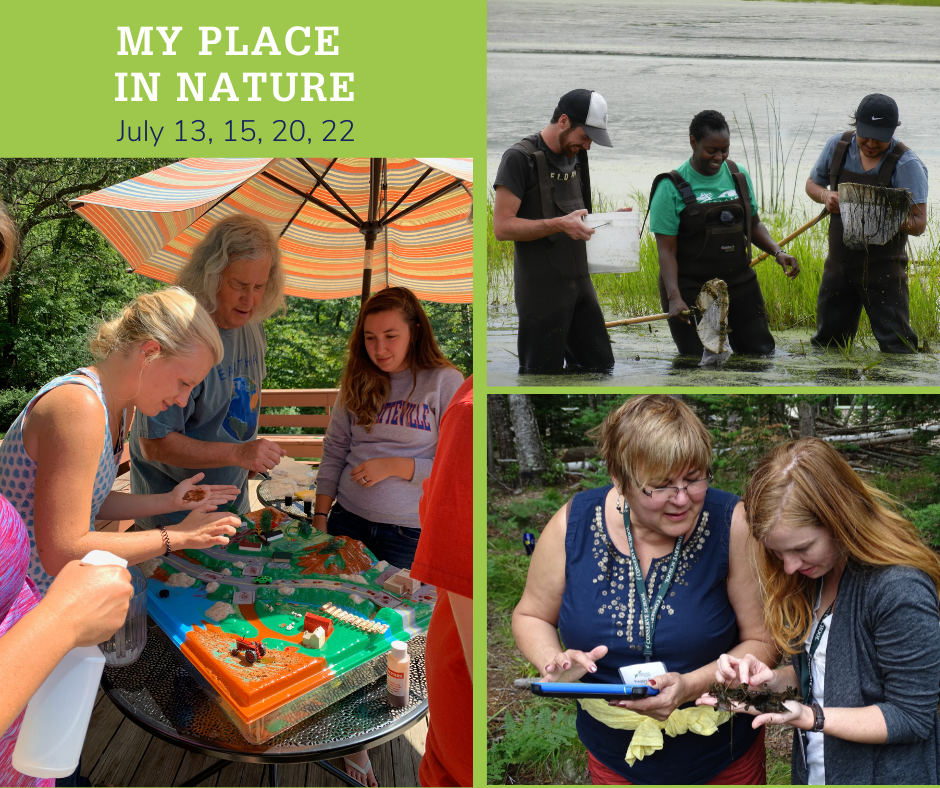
(346,226)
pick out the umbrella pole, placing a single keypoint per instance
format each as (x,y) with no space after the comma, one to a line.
(370,229)
(367,269)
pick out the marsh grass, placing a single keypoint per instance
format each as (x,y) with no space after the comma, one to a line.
(771,162)
(790,303)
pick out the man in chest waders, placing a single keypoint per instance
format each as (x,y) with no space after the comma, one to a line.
(542,192)
(705,219)
(874,277)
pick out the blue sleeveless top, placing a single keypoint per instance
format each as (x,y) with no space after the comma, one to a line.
(695,625)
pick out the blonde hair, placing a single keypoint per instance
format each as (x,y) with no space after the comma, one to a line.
(650,438)
(237,237)
(9,240)
(806,482)
(172,318)
(364,387)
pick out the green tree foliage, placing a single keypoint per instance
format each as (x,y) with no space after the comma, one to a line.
(306,347)
(65,276)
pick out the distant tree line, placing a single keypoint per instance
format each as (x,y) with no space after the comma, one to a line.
(525,432)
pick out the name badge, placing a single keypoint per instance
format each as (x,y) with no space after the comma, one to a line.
(642,673)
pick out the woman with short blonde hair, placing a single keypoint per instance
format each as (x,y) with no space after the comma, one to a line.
(659,545)
(849,591)
(65,446)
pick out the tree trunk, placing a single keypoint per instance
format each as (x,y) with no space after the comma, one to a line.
(807,420)
(498,419)
(592,401)
(490,462)
(865,412)
(529,450)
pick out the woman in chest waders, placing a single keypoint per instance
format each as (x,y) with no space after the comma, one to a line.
(705,219)
(874,277)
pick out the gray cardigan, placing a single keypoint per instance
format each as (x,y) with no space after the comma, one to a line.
(884,650)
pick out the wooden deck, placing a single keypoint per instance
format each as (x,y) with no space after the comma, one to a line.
(118,752)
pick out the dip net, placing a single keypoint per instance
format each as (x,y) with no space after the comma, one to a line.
(871,215)
(712,327)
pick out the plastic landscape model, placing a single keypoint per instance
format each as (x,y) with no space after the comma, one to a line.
(277,635)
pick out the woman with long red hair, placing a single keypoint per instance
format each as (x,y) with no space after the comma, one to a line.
(380,444)
(850,592)
(382,437)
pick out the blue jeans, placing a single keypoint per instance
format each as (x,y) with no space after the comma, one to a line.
(393,543)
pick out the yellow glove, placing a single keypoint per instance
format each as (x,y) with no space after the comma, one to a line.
(648,733)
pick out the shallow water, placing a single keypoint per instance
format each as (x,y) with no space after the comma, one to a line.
(658,63)
(646,356)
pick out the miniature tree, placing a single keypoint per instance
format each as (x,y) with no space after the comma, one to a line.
(266,520)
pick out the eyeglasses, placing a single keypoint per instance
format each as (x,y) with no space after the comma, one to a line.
(697,487)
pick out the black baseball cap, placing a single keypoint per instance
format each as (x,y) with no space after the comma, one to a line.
(877,117)
(587,108)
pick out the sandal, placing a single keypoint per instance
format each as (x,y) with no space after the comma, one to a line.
(363,770)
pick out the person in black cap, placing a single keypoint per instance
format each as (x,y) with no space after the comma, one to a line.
(874,277)
(542,192)
(705,219)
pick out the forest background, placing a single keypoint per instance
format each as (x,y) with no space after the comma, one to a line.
(66,278)
(539,455)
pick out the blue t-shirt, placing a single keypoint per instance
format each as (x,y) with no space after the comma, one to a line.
(695,625)
(223,408)
(909,172)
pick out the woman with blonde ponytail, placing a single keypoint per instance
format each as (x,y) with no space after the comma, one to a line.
(85,605)
(850,592)
(59,459)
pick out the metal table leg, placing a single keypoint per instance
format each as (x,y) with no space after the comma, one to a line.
(208,772)
(339,775)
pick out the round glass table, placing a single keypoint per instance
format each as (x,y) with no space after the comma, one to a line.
(160,694)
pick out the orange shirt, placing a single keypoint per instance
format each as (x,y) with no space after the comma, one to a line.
(445,559)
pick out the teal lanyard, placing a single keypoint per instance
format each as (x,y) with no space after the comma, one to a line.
(649,614)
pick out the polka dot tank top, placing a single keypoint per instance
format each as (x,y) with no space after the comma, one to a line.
(18,469)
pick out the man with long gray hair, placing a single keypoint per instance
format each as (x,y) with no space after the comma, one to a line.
(236,274)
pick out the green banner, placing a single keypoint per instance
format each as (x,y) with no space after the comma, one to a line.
(243,79)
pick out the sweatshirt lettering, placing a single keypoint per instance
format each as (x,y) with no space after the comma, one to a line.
(405,414)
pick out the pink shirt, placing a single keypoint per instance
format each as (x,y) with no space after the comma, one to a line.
(18,595)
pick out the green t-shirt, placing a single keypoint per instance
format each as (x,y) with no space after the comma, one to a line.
(666,203)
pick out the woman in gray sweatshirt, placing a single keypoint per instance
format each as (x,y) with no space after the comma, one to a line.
(850,592)
(382,436)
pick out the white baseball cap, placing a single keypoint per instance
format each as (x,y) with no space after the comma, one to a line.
(587,108)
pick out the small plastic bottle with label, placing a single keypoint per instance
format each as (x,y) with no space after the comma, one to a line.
(398,691)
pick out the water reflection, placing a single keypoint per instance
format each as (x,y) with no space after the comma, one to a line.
(648,358)
(658,63)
